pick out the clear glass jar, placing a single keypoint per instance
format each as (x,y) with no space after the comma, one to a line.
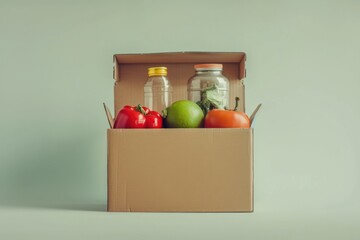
(157,89)
(209,84)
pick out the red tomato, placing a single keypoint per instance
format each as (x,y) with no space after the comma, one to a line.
(226,119)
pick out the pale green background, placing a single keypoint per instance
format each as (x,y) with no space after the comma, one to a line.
(56,70)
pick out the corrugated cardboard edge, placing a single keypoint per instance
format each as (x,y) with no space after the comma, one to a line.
(108,170)
(252,171)
(242,78)
(116,77)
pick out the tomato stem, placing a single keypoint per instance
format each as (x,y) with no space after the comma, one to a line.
(237,99)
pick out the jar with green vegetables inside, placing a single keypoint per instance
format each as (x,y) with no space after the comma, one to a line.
(209,88)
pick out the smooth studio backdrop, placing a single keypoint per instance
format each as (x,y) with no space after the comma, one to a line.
(56,70)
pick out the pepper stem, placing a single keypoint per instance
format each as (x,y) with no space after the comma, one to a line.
(164,113)
(139,108)
(237,99)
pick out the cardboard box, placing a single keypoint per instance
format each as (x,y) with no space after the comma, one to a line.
(178,170)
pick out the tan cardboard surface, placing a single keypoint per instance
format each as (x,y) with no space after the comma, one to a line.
(180,57)
(184,170)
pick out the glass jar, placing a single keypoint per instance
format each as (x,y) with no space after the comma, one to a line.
(209,86)
(157,89)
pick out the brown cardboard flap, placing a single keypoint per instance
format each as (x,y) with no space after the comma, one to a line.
(109,116)
(181,57)
(130,74)
(204,170)
(252,117)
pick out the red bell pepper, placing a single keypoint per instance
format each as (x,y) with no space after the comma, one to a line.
(137,117)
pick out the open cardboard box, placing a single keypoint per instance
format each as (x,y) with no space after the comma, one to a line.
(178,170)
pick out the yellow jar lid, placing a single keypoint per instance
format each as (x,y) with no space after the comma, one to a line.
(157,71)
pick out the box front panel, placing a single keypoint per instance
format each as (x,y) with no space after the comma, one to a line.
(180,170)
